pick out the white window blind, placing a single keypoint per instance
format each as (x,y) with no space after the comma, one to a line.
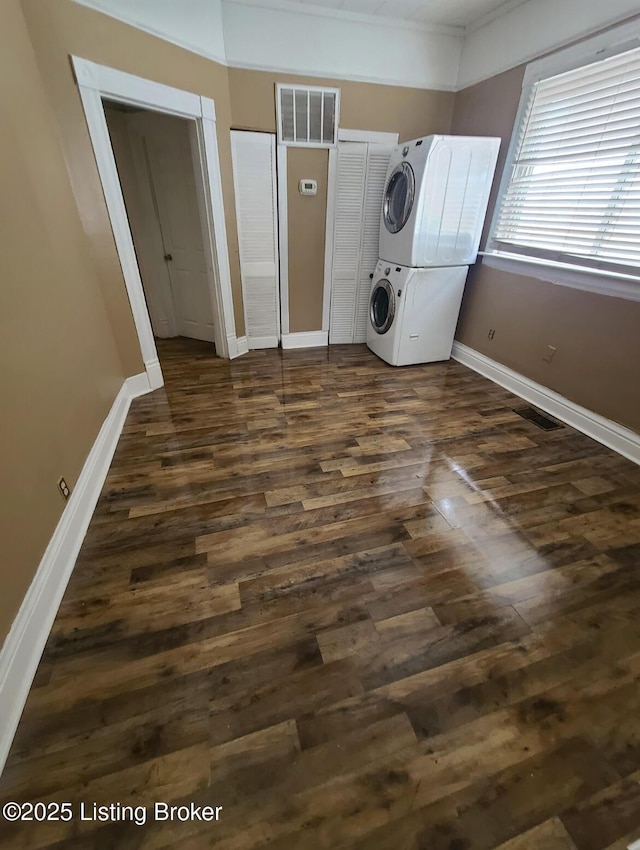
(307,115)
(574,189)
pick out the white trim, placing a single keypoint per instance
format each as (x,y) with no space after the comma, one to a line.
(488,17)
(96,6)
(154,373)
(20,654)
(96,81)
(596,48)
(262,342)
(367,136)
(305,339)
(283,237)
(332,191)
(217,249)
(237,346)
(540,47)
(344,78)
(576,277)
(136,91)
(357,17)
(616,437)
(634,846)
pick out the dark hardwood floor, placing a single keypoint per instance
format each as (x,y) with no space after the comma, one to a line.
(357,607)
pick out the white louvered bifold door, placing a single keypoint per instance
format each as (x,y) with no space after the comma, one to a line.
(377,162)
(254,180)
(347,235)
(360,179)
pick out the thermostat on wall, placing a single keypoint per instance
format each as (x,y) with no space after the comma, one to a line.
(308,187)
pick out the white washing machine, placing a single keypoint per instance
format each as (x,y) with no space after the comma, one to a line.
(435,200)
(413,312)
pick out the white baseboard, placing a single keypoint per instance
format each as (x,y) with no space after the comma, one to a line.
(605,431)
(153,374)
(237,346)
(20,654)
(306,339)
(258,342)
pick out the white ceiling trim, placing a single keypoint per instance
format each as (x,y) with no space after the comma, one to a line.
(336,80)
(356,17)
(516,32)
(103,7)
(482,21)
(528,31)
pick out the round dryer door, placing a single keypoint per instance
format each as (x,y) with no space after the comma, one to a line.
(398,197)
(382,307)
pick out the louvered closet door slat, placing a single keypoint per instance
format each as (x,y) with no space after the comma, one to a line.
(351,172)
(377,162)
(253,156)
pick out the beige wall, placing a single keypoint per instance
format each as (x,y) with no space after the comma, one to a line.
(597,337)
(363,106)
(307,222)
(64,28)
(60,365)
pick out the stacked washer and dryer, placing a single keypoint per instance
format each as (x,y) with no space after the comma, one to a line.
(435,201)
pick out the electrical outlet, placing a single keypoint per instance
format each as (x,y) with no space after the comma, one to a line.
(551,350)
(64,488)
(491,333)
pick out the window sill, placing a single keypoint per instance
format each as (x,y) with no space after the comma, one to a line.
(576,277)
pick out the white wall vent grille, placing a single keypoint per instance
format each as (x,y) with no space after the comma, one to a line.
(307,115)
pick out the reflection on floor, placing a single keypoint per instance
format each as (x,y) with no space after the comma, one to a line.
(355,606)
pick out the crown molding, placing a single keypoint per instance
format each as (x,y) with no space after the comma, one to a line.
(355,17)
(351,78)
(488,17)
(130,20)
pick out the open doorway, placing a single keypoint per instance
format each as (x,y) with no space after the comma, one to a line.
(154,157)
(98,83)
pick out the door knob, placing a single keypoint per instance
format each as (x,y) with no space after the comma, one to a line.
(168,257)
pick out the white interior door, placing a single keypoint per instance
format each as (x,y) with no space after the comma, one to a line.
(133,170)
(360,179)
(171,169)
(254,179)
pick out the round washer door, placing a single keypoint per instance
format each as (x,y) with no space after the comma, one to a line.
(382,306)
(398,197)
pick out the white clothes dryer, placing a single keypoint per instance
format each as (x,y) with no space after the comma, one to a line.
(413,312)
(435,200)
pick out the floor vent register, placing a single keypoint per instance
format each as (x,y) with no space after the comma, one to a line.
(540,419)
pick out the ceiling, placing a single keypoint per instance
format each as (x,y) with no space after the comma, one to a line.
(457,13)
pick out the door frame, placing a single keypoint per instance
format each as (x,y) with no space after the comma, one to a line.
(344,135)
(97,81)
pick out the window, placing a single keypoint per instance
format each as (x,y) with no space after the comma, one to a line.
(571,188)
(307,116)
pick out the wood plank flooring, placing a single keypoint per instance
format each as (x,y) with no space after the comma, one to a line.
(357,607)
